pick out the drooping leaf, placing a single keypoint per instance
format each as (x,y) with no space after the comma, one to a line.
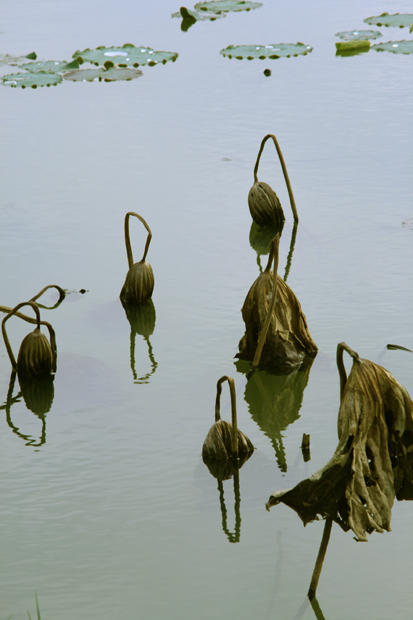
(350,35)
(6,59)
(398,20)
(33,80)
(373,461)
(191,14)
(126,56)
(265,52)
(225,6)
(396,47)
(112,74)
(50,66)
(355,44)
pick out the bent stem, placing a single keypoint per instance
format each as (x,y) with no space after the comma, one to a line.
(263,334)
(342,346)
(284,169)
(291,251)
(62,295)
(127,238)
(320,558)
(231,384)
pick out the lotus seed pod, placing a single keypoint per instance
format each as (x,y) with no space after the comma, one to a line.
(139,283)
(35,355)
(265,207)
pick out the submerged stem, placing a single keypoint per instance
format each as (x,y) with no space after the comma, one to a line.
(320,558)
(284,169)
(127,238)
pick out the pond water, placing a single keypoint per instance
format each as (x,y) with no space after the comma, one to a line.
(113,513)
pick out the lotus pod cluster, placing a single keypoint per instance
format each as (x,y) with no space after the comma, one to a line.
(140,281)
(36,355)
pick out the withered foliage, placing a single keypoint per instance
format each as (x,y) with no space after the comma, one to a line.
(288,339)
(373,462)
(140,281)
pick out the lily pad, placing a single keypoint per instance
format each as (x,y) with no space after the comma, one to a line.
(126,56)
(24,80)
(351,35)
(265,52)
(225,6)
(50,66)
(396,47)
(112,74)
(191,14)
(400,20)
(5,59)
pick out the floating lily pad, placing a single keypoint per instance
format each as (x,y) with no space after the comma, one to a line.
(112,74)
(225,6)
(396,47)
(50,66)
(351,35)
(126,56)
(191,14)
(24,80)
(5,59)
(264,52)
(400,20)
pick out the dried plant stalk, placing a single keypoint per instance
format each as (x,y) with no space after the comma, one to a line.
(140,281)
(225,440)
(36,354)
(265,207)
(373,462)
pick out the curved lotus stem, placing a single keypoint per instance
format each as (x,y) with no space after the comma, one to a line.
(291,251)
(284,169)
(263,334)
(320,558)
(37,321)
(231,384)
(62,295)
(127,238)
(342,346)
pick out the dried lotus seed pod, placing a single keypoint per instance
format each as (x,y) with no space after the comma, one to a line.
(140,281)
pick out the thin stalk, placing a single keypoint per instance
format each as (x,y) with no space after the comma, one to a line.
(263,334)
(291,251)
(342,346)
(127,238)
(320,558)
(3,327)
(232,391)
(284,169)
(62,295)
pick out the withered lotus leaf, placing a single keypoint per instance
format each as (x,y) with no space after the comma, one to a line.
(288,339)
(225,440)
(373,462)
(140,281)
(36,355)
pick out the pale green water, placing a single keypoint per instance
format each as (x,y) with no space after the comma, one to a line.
(116,515)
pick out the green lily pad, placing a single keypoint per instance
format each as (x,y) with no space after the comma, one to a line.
(24,80)
(50,66)
(351,35)
(264,52)
(112,74)
(396,47)
(191,14)
(225,6)
(400,20)
(126,56)
(356,44)
(5,59)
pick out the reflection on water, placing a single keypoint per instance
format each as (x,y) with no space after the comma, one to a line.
(261,237)
(274,402)
(142,318)
(38,393)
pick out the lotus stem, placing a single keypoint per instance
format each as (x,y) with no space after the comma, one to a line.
(291,251)
(127,238)
(62,295)
(232,391)
(320,558)
(263,334)
(342,346)
(284,169)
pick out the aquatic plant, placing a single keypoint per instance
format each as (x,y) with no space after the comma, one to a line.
(398,20)
(351,35)
(108,73)
(354,44)
(224,439)
(263,202)
(396,47)
(50,66)
(265,52)
(31,80)
(6,59)
(190,16)
(36,354)
(126,56)
(226,6)
(140,281)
